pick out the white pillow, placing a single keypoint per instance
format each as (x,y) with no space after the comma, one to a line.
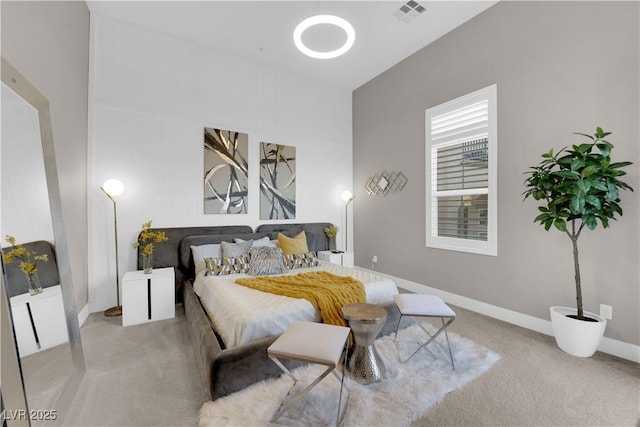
(202,252)
(257,243)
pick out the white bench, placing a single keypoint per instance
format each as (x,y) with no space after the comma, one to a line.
(310,342)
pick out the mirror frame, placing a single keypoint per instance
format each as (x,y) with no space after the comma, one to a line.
(13,395)
(20,85)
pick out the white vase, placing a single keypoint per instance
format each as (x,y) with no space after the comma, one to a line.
(577,337)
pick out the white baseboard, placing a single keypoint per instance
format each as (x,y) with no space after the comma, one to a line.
(620,348)
(608,345)
(83,315)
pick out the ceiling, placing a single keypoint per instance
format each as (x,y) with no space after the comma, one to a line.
(263,30)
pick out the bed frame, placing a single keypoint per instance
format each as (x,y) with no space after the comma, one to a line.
(229,370)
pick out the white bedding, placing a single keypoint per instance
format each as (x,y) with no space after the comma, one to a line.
(242,315)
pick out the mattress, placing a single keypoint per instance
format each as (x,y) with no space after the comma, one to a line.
(242,315)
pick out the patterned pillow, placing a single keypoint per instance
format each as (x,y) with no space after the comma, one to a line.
(293,245)
(266,260)
(307,259)
(229,265)
(235,249)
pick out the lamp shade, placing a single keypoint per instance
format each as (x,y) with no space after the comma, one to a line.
(347,196)
(113,187)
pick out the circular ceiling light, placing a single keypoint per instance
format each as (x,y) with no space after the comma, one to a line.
(324,19)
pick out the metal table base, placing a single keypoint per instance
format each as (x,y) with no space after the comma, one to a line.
(364,364)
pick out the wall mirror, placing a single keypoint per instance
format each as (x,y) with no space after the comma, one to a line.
(45,325)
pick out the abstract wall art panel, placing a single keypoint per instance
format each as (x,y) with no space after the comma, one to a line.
(226,171)
(277,181)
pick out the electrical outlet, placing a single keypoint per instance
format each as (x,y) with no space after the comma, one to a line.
(606,311)
(374,259)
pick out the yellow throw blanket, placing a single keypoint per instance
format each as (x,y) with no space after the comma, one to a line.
(327,292)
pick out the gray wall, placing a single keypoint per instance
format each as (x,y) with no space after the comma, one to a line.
(48,42)
(561,67)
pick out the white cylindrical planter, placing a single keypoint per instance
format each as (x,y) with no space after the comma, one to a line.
(577,337)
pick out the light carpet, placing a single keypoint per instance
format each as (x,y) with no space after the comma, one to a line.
(405,394)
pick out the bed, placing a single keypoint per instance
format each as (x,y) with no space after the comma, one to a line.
(232,326)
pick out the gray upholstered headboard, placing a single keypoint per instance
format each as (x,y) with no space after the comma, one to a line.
(176,251)
(15,281)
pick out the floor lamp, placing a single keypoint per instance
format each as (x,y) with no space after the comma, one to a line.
(348,198)
(112,188)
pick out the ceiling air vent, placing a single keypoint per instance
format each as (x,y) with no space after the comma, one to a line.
(409,11)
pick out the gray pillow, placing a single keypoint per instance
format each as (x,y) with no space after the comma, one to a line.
(266,260)
(230,250)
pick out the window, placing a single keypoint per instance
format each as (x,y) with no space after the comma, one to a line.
(461,150)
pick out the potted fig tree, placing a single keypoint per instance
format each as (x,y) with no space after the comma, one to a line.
(578,187)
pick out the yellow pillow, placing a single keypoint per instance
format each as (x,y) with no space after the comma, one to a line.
(295,245)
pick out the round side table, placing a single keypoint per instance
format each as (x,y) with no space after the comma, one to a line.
(364,364)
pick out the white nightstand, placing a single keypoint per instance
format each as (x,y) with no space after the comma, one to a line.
(39,320)
(344,258)
(148,297)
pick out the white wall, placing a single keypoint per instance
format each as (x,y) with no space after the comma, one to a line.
(26,214)
(150,98)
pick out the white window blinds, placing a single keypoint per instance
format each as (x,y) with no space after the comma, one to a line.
(461,141)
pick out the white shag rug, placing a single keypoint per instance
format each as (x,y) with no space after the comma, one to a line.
(404,395)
